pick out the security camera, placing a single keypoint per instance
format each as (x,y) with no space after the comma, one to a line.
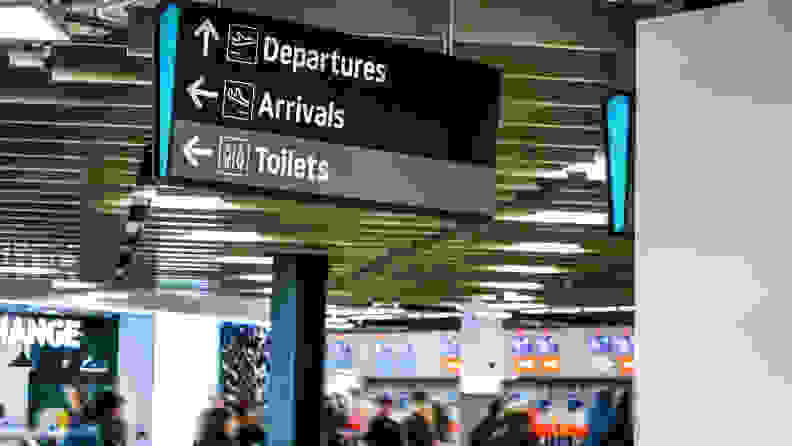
(492,364)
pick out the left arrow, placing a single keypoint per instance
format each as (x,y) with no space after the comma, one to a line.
(206,30)
(195,91)
(190,151)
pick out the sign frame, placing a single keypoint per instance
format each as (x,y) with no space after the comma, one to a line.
(164,133)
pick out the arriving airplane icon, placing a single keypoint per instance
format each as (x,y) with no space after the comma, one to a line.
(235,95)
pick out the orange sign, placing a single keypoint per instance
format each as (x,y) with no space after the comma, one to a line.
(524,364)
(550,364)
(626,366)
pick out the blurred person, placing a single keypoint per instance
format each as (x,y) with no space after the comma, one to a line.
(108,416)
(418,428)
(334,421)
(219,428)
(442,422)
(517,427)
(383,430)
(216,402)
(248,432)
(481,434)
(621,432)
(599,418)
(75,405)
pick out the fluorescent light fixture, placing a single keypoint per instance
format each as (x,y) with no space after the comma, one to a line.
(513,306)
(246,260)
(257,277)
(549,248)
(70,285)
(187,202)
(27,270)
(535,311)
(627,308)
(20,22)
(226,236)
(526,269)
(340,326)
(512,285)
(579,218)
(566,310)
(511,296)
(496,315)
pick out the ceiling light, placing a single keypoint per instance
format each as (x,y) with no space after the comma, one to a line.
(340,326)
(627,308)
(559,217)
(496,315)
(535,311)
(515,297)
(525,269)
(69,285)
(514,306)
(225,236)
(27,270)
(257,277)
(191,203)
(512,285)
(549,248)
(246,260)
(28,23)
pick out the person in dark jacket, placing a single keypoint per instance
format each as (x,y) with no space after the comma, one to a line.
(218,428)
(383,431)
(621,432)
(333,422)
(418,428)
(249,433)
(600,418)
(481,434)
(106,413)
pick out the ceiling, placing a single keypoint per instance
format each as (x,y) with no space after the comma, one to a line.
(75,120)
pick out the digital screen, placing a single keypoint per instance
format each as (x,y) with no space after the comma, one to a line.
(339,355)
(521,346)
(246,355)
(599,344)
(545,344)
(622,344)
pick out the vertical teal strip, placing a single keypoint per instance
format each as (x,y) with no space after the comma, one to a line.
(618,145)
(169,34)
(282,407)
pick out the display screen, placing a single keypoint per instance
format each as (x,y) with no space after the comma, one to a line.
(599,344)
(521,345)
(395,359)
(623,345)
(246,362)
(545,344)
(339,355)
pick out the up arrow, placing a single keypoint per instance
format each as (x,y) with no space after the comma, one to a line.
(208,30)
(190,151)
(195,91)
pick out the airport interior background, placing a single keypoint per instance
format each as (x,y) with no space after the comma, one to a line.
(287,313)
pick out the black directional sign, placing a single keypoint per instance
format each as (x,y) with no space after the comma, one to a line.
(280,106)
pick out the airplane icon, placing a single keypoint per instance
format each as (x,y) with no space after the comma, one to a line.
(235,95)
(239,39)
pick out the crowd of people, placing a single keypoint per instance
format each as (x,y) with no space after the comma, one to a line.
(608,423)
